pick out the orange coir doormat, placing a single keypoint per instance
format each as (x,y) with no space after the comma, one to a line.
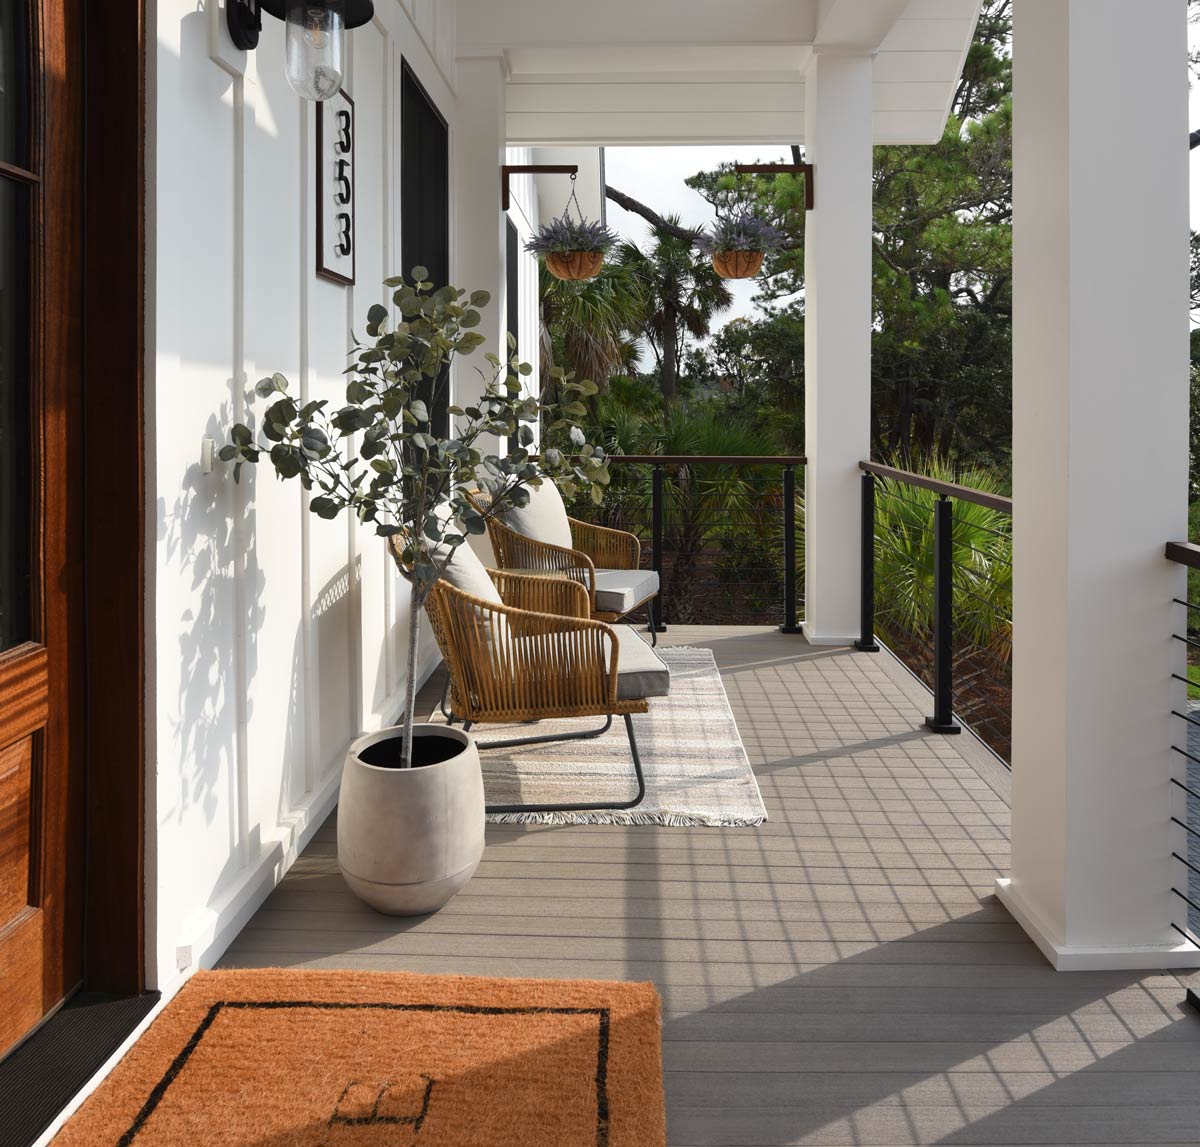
(353,1059)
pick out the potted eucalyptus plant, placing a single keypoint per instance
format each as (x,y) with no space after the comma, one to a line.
(572,248)
(410,824)
(738,243)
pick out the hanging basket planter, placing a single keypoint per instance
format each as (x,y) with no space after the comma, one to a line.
(574,265)
(737,264)
(737,244)
(573,248)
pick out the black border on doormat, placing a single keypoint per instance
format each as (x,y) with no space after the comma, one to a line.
(43,1074)
(180,1061)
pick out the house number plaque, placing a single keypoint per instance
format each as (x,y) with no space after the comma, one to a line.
(335,189)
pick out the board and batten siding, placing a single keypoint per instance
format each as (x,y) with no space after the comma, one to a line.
(275,637)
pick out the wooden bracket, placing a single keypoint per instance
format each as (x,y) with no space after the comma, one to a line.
(805,169)
(530,169)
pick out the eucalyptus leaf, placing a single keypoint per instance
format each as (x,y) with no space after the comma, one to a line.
(379,456)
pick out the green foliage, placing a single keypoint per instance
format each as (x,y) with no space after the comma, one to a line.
(755,370)
(680,296)
(378,457)
(904,570)
(587,323)
(941,347)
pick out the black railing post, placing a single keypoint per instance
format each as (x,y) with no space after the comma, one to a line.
(789,551)
(942,720)
(866,642)
(656,543)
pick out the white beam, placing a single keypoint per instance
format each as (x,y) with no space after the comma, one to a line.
(1100,460)
(856,25)
(479,228)
(489,23)
(837,339)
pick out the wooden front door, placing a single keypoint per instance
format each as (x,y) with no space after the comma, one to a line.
(41,622)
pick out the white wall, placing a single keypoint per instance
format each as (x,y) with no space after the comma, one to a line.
(525,212)
(555,190)
(277,636)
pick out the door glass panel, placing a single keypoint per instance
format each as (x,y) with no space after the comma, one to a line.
(14,84)
(14,415)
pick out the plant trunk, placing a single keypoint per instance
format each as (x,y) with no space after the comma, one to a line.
(410,682)
(669,370)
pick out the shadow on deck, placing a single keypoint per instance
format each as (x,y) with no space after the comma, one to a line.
(840,975)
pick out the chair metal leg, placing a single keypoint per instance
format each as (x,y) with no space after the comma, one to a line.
(444,704)
(513,742)
(594,807)
(650,623)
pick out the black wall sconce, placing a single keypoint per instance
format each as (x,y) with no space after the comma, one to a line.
(316,33)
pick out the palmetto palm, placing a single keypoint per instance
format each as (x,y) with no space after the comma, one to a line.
(681,295)
(595,320)
(982,543)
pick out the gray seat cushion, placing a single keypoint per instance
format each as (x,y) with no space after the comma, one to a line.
(618,591)
(544,519)
(640,670)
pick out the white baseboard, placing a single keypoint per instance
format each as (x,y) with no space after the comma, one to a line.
(1076,958)
(823,639)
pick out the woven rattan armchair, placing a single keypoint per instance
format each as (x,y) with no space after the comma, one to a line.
(595,559)
(535,654)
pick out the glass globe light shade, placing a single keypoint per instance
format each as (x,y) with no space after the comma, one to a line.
(316,36)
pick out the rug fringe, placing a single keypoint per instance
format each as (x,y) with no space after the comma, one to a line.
(616,816)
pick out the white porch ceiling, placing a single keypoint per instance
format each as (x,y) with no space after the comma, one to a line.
(711,71)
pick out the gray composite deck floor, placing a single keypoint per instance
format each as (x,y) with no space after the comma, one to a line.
(841,975)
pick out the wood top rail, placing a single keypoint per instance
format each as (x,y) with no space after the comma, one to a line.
(947,489)
(730,459)
(1184,553)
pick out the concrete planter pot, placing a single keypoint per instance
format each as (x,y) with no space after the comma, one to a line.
(409,839)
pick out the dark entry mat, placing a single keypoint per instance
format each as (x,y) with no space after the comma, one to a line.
(43,1074)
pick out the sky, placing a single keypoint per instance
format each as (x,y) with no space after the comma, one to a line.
(655,175)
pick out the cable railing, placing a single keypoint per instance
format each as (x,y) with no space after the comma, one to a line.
(722,531)
(937,588)
(1185,886)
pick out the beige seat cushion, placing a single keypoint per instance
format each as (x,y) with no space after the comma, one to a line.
(618,591)
(544,519)
(640,670)
(465,571)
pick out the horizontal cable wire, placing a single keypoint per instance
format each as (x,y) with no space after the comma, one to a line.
(1186,827)
(1190,792)
(1187,862)
(1187,898)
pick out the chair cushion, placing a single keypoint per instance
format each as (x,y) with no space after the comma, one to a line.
(544,518)
(618,591)
(640,670)
(465,571)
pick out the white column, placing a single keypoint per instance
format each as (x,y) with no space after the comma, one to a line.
(837,338)
(478,240)
(1100,459)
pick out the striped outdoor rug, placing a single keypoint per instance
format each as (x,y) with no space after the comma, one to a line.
(696,768)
